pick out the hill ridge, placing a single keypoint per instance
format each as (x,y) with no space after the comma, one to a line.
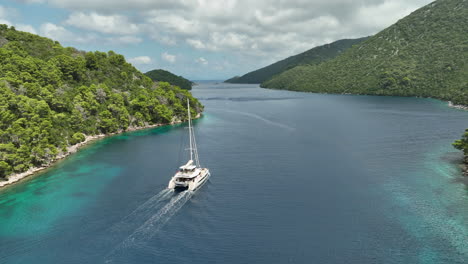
(315,55)
(160,75)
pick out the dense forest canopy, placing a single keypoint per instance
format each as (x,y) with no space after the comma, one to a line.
(311,57)
(166,76)
(424,54)
(52,96)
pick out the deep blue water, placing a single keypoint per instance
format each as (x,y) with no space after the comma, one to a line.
(296,178)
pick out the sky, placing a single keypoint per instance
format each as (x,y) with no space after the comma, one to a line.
(203,39)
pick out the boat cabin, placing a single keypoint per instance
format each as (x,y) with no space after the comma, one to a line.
(189,167)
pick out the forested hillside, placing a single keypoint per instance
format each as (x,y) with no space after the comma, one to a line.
(311,57)
(165,76)
(424,54)
(51,97)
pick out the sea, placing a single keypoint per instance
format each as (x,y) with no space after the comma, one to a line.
(295,178)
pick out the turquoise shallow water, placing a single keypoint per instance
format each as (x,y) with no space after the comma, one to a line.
(297,178)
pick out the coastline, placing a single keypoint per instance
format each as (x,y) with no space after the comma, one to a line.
(464,166)
(17,177)
(450,103)
(461,107)
(464,163)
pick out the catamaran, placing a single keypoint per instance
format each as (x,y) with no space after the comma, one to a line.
(191,175)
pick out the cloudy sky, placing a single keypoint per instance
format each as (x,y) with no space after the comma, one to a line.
(203,39)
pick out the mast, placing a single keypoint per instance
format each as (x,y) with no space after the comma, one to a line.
(195,152)
(190,130)
(193,142)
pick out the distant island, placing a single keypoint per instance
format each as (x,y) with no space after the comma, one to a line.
(311,57)
(424,54)
(166,76)
(54,98)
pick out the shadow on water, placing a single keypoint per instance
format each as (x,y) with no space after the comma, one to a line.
(453,157)
(456,159)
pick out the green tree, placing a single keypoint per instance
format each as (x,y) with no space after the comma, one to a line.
(462,144)
(77,138)
(5,169)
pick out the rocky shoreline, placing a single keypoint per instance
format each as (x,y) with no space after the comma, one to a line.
(464,166)
(70,150)
(13,178)
(462,107)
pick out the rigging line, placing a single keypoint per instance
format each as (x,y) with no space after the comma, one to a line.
(190,129)
(197,160)
(181,147)
(193,142)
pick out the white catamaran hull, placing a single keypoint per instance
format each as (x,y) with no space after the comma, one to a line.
(193,184)
(200,180)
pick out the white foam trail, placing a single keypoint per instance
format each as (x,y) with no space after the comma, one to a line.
(161,196)
(273,123)
(144,209)
(152,226)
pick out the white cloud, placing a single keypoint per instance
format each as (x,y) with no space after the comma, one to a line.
(384,14)
(106,5)
(31,1)
(250,28)
(124,40)
(166,40)
(168,57)
(26,28)
(6,22)
(56,32)
(6,14)
(140,60)
(273,29)
(255,32)
(110,24)
(196,43)
(62,34)
(174,22)
(2,12)
(201,61)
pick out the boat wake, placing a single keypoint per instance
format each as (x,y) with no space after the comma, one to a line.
(149,205)
(267,121)
(161,207)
